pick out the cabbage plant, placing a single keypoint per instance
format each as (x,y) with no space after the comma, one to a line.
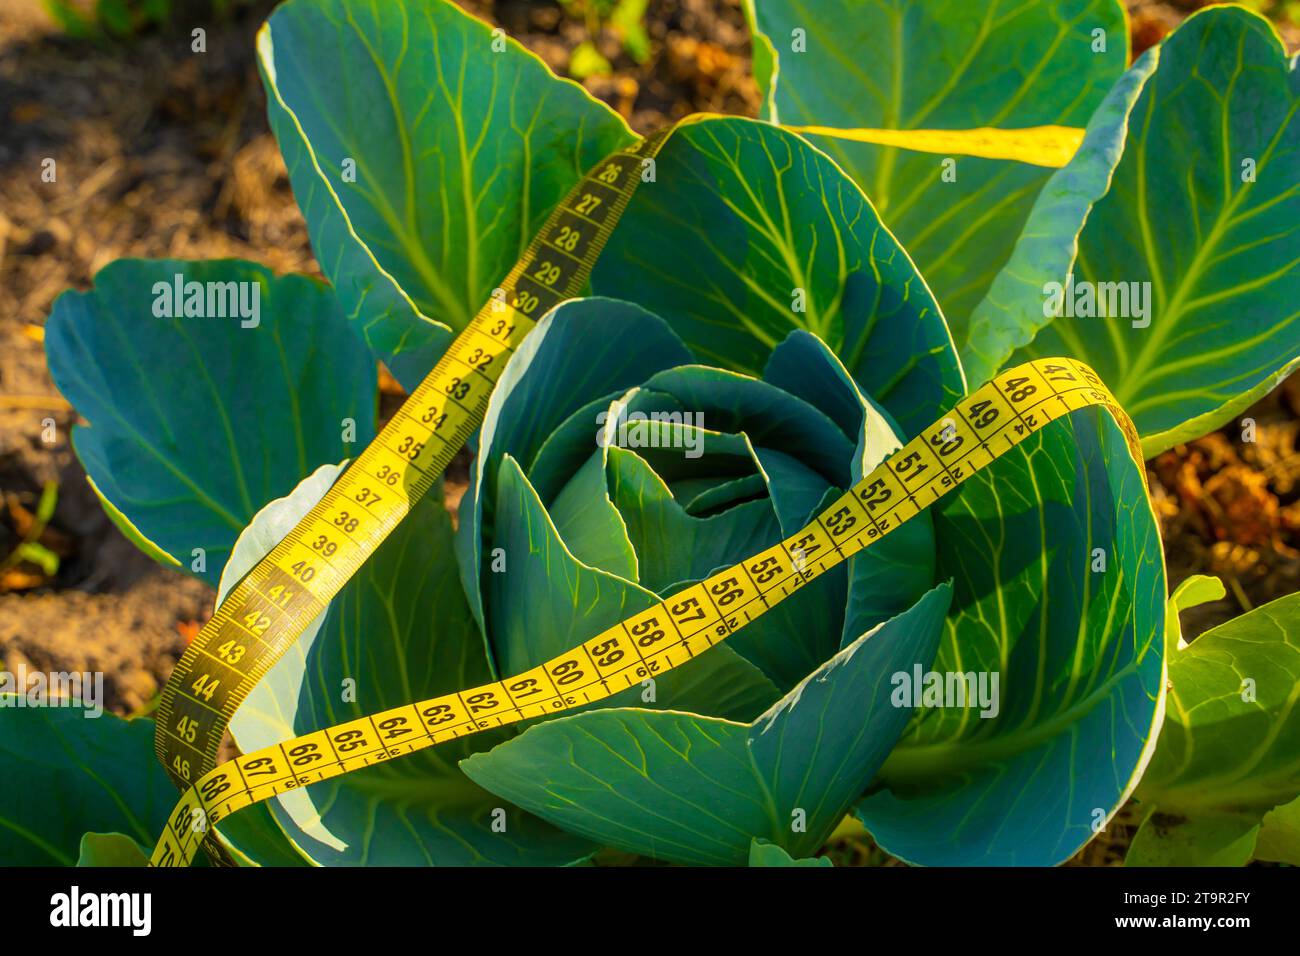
(777,311)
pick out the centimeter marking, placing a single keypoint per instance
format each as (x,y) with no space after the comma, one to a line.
(982,427)
(269,609)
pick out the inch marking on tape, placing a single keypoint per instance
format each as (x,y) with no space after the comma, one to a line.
(981,428)
(270,608)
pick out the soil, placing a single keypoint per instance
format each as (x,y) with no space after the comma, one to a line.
(161,152)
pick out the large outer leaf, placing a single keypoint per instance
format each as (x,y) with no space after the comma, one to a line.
(1230,751)
(460,152)
(1012,312)
(65,774)
(741,215)
(400,631)
(939,64)
(196,422)
(698,790)
(1078,655)
(1222,256)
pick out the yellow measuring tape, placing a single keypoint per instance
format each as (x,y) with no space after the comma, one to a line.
(1050,146)
(271,607)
